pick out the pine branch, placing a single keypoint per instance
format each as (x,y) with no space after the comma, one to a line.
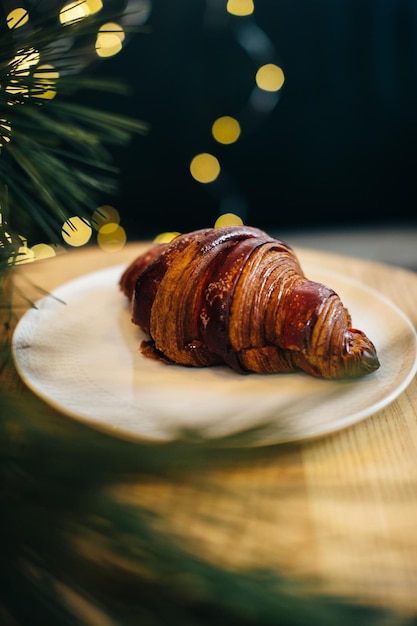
(55,155)
(65,534)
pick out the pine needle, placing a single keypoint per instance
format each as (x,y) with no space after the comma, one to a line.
(55,154)
(71,548)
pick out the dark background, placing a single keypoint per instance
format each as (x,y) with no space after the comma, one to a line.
(338,148)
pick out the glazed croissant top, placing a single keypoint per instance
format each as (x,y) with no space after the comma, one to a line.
(237,296)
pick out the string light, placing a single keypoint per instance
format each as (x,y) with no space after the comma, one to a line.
(226,129)
(17,18)
(42,84)
(165,237)
(20,66)
(105,214)
(270,77)
(46,76)
(109,39)
(240,8)
(228,219)
(94,6)
(23,253)
(43,251)
(76,231)
(24,60)
(5,130)
(205,167)
(74,12)
(268,81)
(6,236)
(111,237)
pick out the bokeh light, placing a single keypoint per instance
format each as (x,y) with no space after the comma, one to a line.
(105,214)
(166,237)
(17,17)
(112,28)
(23,254)
(76,231)
(73,12)
(24,60)
(228,219)
(43,251)
(240,8)
(94,6)
(109,39)
(111,237)
(205,168)
(46,76)
(5,130)
(20,66)
(226,129)
(270,77)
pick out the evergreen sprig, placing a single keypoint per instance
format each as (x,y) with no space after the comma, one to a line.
(55,154)
(69,543)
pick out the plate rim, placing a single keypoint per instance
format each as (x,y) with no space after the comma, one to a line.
(126,433)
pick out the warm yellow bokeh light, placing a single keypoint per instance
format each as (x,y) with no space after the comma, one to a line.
(78,10)
(6,237)
(166,237)
(23,255)
(104,215)
(43,251)
(46,94)
(109,39)
(76,231)
(94,6)
(107,45)
(73,12)
(240,7)
(20,66)
(228,219)
(46,76)
(205,168)
(112,28)
(15,88)
(24,60)
(5,130)
(46,73)
(111,237)
(270,77)
(17,17)
(226,129)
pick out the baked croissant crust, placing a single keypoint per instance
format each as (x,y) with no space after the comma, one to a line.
(239,297)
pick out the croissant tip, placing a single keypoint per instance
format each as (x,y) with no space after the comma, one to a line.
(362,358)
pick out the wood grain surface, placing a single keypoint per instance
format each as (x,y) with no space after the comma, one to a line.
(338,513)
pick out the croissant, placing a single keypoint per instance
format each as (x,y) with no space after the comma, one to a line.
(237,296)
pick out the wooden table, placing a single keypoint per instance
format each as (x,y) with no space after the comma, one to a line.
(338,514)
